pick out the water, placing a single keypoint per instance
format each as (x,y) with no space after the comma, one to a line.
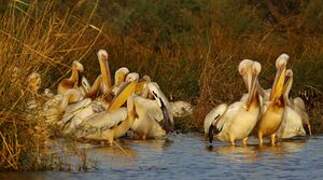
(187,156)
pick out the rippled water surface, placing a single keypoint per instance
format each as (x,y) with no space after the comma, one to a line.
(187,156)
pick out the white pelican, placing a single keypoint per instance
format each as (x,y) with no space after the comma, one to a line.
(133,76)
(55,107)
(235,122)
(33,85)
(273,109)
(119,79)
(295,116)
(103,83)
(73,81)
(75,114)
(154,116)
(85,110)
(181,108)
(109,125)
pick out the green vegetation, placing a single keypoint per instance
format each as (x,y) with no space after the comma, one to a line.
(190,47)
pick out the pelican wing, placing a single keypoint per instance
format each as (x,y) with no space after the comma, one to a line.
(106,120)
(165,101)
(73,109)
(299,107)
(147,108)
(299,103)
(291,125)
(215,117)
(51,111)
(74,119)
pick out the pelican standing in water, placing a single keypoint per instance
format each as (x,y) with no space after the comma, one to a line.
(295,119)
(235,122)
(73,81)
(154,118)
(273,109)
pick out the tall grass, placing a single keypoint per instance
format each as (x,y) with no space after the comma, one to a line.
(34,37)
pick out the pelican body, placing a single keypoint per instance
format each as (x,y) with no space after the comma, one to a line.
(273,109)
(181,108)
(103,83)
(154,116)
(108,125)
(235,122)
(295,119)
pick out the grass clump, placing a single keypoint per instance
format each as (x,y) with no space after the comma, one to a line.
(34,38)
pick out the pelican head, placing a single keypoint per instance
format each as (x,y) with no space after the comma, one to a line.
(79,69)
(277,89)
(34,82)
(146,78)
(250,70)
(132,77)
(103,55)
(245,70)
(120,75)
(163,104)
(78,66)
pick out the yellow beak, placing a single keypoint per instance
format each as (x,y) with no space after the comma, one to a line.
(122,97)
(278,86)
(252,80)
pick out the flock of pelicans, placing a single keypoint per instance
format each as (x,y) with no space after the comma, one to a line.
(263,112)
(107,109)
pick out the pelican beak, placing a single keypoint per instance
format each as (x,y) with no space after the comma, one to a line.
(104,66)
(252,81)
(122,97)
(278,86)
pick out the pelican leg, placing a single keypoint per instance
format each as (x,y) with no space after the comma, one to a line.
(261,141)
(273,139)
(309,129)
(108,136)
(232,140)
(143,137)
(245,141)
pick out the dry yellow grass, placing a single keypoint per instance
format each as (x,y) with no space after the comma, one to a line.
(34,38)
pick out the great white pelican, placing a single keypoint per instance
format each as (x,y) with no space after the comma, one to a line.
(235,122)
(273,109)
